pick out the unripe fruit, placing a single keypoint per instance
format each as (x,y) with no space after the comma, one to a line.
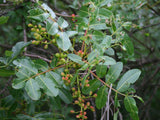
(95,95)
(66,70)
(30,25)
(43,29)
(54,40)
(57,55)
(62,73)
(46,47)
(39,26)
(73,89)
(63,60)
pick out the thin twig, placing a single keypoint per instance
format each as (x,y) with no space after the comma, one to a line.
(107,84)
(37,56)
(24,35)
(107,105)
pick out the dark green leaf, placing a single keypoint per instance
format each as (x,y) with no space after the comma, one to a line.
(41,65)
(130,105)
(127,43)
(3,19)
(65,95)
(101,70)
(101,98)
(6,73)
(105,13)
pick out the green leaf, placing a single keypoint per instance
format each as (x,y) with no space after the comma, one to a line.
(55,77)
(94,54)
(98,36)
(93,86)
(33,90)
(83,12)
(62,23)
(114,72)
(47,85)
(65,95)
(101,70)
(129,77)
(110,51)
(96,25)
(107,60)
(17,49)
(105,13)
(101,98)
(52,27)
(3,19)
(75,58)
(130,105)
(63,41)
(106,42)
(102,3)
(71,33)
(18,83)
(41,65)
(127,43)
(47,8)
(38,14)
(6,73)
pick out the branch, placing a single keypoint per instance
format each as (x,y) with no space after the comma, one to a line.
(37,56)
(157,13)
(5,46)
(6,85)
(145,27)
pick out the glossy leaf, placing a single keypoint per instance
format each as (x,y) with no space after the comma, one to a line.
(33,90)
(52,27)
(130,105)
(93,86)
(129,77)
(114,72)
(38,14)
(75,58)
(101,70)
(63,41)
(46,7)
(101,98)
(62,23)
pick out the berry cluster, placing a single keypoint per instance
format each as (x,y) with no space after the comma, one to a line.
(41,36)
(61,58)
(82,102)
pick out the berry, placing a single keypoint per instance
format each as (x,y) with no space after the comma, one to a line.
(46,47)
(72,111)
(30,25)
(57,55)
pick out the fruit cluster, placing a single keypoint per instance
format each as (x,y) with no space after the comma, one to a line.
(82,102)
(41,36)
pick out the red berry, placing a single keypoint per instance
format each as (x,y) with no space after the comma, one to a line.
(72,111)
(73,15)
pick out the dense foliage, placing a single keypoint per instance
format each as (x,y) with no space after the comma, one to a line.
(77,60)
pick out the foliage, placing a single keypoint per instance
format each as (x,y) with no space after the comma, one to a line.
(79,72)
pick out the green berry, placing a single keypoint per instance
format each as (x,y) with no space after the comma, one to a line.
(57,55)
(46,47)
